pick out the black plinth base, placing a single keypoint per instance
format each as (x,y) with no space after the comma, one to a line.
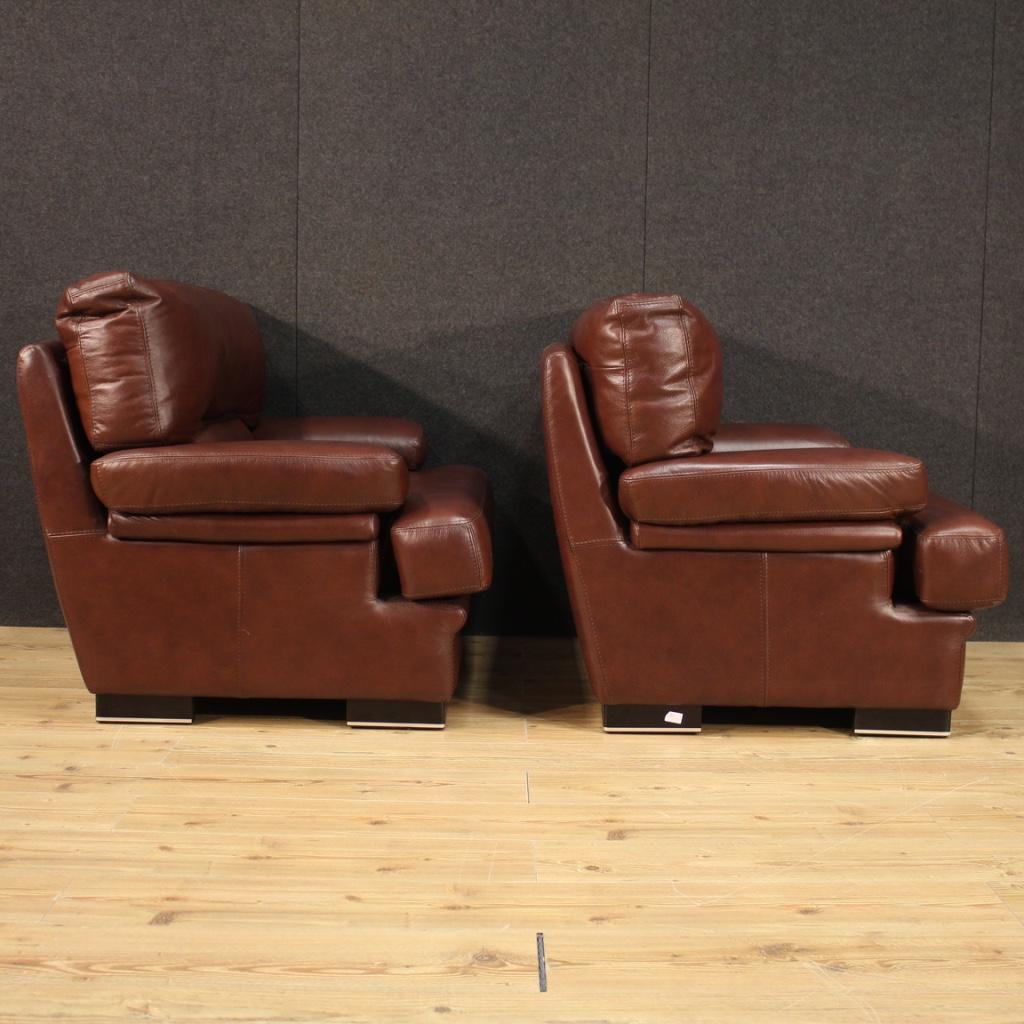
(901,722)
(395,714)
(118,707)
(651,717)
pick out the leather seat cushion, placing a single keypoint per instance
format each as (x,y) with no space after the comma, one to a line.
(960,559)
(252,476)
(224,528)
(883,535)
(794,485)
(442,538)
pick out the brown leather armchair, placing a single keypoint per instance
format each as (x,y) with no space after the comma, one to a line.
(199,549)
(746,564)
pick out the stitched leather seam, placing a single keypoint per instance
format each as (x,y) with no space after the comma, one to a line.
(764,627)
(625,367)
(477,557)
(674,301)
(230,459)
(215,505)
(684,327)
(76,533)
(149,367)
(753,517)
(238,630)
(73,292)
(549,422)
(88,382)
(888,578)
(596,542)
(961,538)
(704,474)
(553,460)
(462,521)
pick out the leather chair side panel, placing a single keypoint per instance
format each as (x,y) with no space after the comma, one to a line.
(226,620)
(581,494)
(59,454)
(311,625)
(836,639)
(150,618)
(666,627)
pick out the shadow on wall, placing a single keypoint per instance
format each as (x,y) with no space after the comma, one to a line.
(761,385)
(479,404)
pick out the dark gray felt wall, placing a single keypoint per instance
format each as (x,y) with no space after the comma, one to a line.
(417,197)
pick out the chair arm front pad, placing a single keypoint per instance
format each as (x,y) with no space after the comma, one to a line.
(960,559)
(768,486)
(403,436)
(252,476)
(442,538)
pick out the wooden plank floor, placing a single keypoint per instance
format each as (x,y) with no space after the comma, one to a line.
(270,869)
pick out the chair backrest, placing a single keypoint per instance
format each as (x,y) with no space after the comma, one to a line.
(154,362)
(654,368)
(585,508)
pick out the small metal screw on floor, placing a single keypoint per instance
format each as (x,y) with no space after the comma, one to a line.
(542,964)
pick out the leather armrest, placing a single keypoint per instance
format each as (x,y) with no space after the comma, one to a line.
(960,559)
(759,437)
(402,436)
(252,476)
(442,538)
(793,485)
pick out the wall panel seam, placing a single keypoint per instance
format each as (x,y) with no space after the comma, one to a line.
(984,252)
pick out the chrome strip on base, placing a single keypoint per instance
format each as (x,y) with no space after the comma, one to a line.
(902,732)
(394,725)
(626,728)
(145,721)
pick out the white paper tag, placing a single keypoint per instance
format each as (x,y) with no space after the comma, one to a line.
(674,717)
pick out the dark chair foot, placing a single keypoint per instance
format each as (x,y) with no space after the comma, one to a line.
(395,714)
(901,722)
(651,717)
(118,707)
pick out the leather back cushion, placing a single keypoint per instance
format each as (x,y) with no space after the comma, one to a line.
(152,362)
(655,374)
